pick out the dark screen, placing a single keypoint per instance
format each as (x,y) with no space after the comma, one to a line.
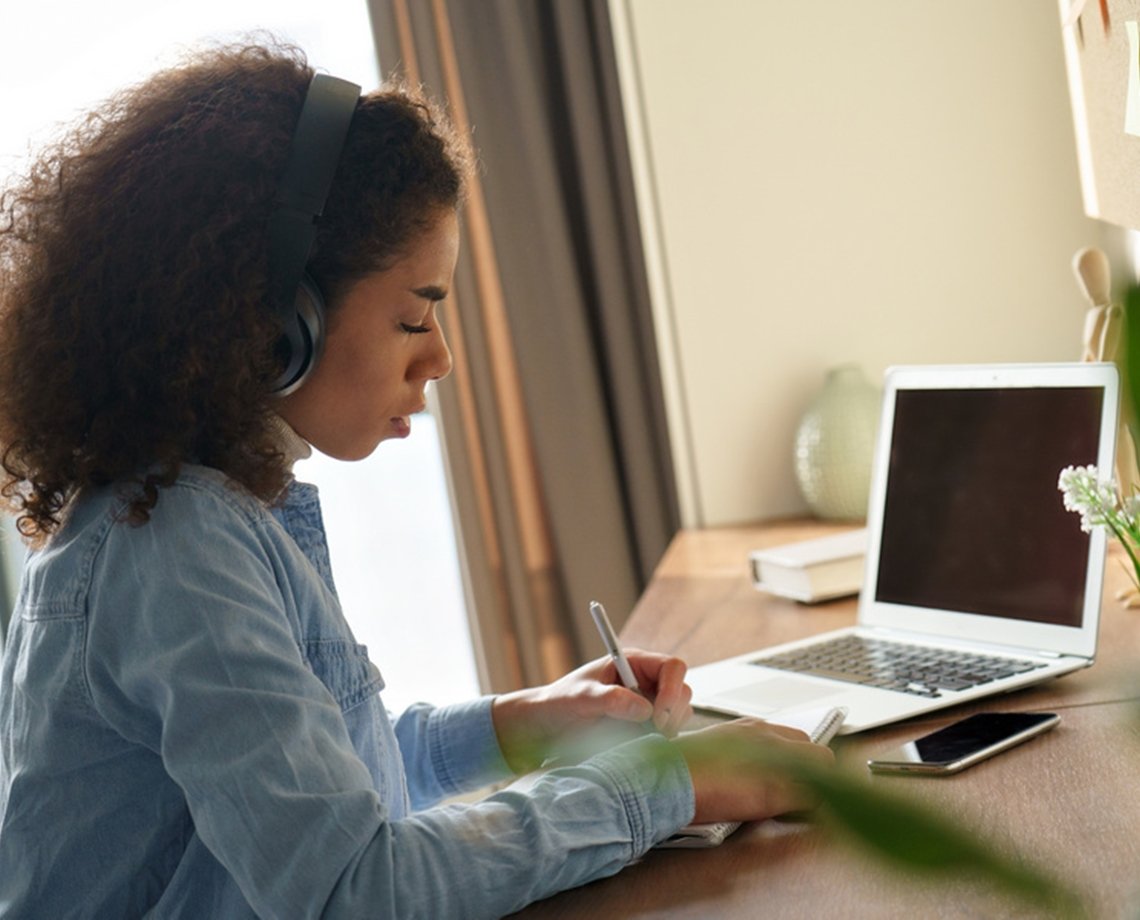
(973,520)
(974,733)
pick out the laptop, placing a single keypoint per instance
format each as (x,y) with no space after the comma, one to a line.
(977,581)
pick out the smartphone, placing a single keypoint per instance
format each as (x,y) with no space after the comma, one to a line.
(964,743)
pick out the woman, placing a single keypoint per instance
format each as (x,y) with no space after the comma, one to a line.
(188,727)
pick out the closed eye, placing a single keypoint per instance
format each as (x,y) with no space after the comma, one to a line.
(414,330)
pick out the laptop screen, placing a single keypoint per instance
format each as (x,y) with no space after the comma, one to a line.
(972,518)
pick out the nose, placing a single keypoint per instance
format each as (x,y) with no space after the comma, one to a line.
(435,363)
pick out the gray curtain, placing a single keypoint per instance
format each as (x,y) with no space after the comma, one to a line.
(564,488)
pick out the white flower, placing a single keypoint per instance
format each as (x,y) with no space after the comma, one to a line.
(1085,492)
(1100,504)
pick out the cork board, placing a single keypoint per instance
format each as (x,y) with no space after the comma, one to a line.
(1102,56)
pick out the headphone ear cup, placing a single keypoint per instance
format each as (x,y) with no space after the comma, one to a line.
(302,344)
(310,306)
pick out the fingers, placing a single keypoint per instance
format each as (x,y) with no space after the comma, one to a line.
(661,681)
(662,677)
(672,709)
(619,703)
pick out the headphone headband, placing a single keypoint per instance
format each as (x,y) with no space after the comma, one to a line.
(318,141)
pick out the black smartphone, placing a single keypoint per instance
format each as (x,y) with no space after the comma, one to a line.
(964,743)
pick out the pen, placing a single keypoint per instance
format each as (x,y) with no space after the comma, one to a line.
(609,639)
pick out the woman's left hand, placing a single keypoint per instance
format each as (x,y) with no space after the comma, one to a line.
(530,722)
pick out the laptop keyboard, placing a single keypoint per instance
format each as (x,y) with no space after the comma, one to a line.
(896,666)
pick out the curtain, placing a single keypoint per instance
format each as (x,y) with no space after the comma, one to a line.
(553,419)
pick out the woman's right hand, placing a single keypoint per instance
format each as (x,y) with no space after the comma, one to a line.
(734,777)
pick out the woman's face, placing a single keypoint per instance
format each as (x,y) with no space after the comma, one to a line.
(383,345)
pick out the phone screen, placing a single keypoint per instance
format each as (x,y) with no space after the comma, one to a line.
(965,742)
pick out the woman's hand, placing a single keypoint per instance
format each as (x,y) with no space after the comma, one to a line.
(530,723)
(744,770)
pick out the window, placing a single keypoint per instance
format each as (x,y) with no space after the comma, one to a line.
(391,538)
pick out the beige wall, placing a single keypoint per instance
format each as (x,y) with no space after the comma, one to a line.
(888,181)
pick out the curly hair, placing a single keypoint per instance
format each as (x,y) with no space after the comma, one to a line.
(134,330)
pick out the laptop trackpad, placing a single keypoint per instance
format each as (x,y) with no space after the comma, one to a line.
(773,695)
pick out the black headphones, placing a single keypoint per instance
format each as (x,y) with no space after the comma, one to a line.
(316,148)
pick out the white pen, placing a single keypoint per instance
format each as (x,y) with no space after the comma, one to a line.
(609,639)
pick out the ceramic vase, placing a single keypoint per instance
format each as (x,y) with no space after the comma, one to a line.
(834,444)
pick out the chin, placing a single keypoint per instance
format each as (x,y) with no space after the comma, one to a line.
(350,453)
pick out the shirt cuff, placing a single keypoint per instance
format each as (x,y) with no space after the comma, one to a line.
(463,746)
(653,785)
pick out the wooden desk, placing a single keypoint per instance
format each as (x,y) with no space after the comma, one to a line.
(1070,800)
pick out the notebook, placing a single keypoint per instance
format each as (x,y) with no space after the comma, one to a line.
(977,580)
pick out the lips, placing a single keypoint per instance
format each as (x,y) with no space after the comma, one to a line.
(402,424)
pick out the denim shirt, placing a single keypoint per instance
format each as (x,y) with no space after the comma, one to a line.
(189,730)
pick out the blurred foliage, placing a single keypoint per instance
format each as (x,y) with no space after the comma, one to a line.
(912,837)
(1129,364)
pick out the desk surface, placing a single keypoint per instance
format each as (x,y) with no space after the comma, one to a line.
(1067,800)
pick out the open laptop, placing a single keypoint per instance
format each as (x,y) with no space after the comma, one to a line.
(978,581)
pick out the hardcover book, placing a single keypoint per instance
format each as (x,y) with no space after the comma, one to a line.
(812,570)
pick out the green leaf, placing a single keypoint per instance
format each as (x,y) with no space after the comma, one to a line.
(1132,346)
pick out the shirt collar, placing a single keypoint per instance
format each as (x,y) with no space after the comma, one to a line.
(291,444)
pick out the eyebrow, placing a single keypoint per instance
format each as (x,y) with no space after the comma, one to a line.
(430,292)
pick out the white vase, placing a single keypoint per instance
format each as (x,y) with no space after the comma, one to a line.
(834,445)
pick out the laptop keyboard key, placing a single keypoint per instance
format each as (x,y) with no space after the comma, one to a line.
(951,683)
